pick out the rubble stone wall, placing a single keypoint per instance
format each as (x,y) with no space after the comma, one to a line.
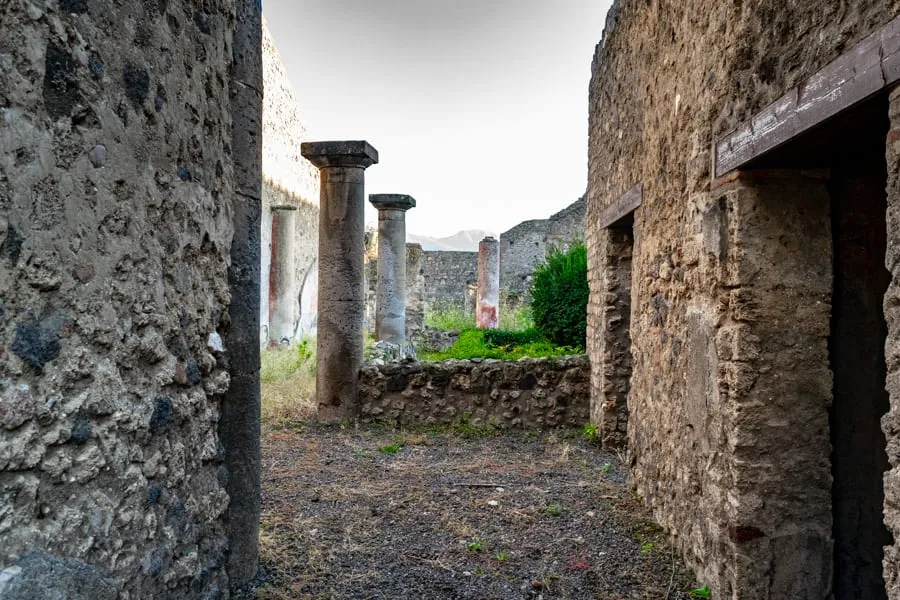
(525,246)
(116,199)
(450,279)
(668,79)
(527,393)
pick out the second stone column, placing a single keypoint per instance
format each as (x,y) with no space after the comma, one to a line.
(390,289)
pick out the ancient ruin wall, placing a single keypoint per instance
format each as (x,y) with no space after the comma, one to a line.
(450,279)
(891,421)
(527,393)
(115,228)
(525,246)
(305,242)
(284,130)
(289,181)
(668,79)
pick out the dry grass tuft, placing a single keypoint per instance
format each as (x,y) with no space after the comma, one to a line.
(288,377)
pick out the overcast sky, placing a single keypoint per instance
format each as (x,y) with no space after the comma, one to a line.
(478,108)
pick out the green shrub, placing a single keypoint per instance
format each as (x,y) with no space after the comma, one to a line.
(471,344)
(502,337)
(560,295)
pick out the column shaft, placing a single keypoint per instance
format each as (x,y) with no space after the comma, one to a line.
(390,294)
(487,305)
(282,276)
(341,291)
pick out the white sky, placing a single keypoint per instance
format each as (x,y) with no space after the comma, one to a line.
(478,108)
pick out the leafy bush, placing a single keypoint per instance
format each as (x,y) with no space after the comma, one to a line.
(471,344)
(502,337)
(560,295)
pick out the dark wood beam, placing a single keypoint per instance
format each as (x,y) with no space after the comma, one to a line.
(623,206)
(854,76)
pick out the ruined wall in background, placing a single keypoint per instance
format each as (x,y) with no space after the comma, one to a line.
(450,280)
(116,193)
(710,66)
(539,393)
(525,246)
(289,181)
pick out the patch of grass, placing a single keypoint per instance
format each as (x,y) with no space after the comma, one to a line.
(606,468)
(555,510)
(472,344)
(501,556)
(518,318)
(475,545)
(288,384)
(700,592)
(449,318)
(591,433)
(647,548)
(391,448)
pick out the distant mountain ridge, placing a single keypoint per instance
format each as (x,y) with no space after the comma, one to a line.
(463,241)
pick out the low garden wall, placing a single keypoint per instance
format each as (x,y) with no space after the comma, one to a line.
(526,393)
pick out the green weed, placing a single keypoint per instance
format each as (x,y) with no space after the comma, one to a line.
(700,593)
(391,448)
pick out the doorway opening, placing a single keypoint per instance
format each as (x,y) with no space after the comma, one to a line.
(615,334)
(852,147)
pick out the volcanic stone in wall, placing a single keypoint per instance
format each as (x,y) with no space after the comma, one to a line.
(115,191)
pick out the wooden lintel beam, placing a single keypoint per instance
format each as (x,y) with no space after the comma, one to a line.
(622,206)
(854,76)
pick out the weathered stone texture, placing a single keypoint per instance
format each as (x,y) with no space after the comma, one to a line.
(611,377)
(305,240)
(725,407)
(891,421)
(525,246)
(541,393)
(342,296)
(450,279)
(415,291)
(289,181)
(284,130)
(487,294)
(116,200)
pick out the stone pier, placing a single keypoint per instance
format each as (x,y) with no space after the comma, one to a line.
(282,276)
(487,304)
(390,290)
(415,290)
(339,343)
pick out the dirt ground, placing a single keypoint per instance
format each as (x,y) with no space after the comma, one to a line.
(382,514)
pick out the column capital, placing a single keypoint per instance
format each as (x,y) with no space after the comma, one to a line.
(340,154)
(392,201)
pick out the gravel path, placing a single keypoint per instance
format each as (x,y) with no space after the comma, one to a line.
(376,513)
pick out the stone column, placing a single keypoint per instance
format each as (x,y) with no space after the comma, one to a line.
(282,275)
(339,341)
(415,290)
(487,304)
(390,288)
